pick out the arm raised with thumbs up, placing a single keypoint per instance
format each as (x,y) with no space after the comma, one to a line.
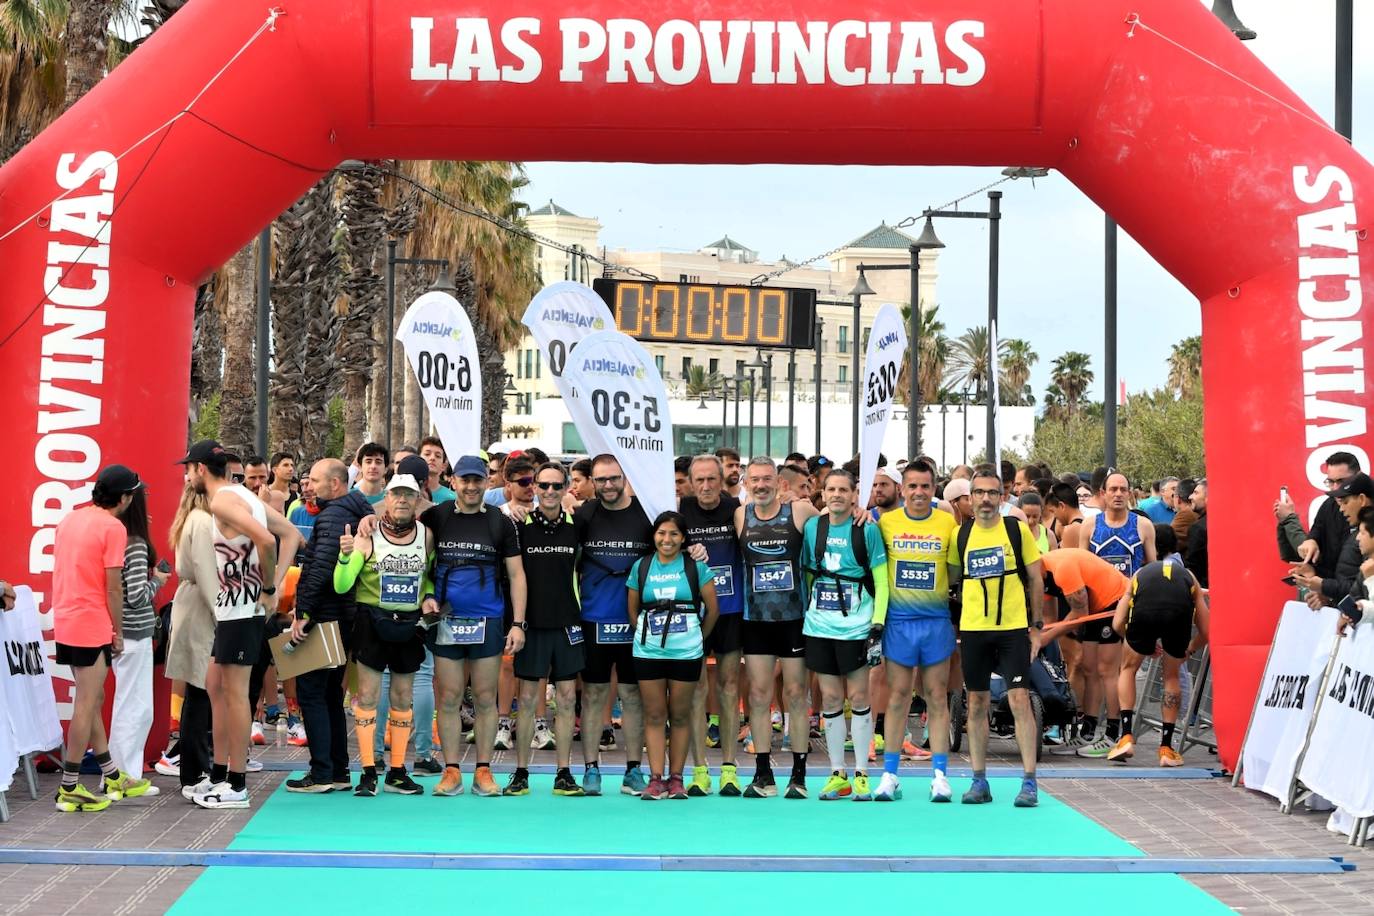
(346,542)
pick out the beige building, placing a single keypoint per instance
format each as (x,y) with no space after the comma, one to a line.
(729,261)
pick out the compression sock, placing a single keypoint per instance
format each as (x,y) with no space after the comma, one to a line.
(107,765)
(1089,730)
(238,781)
(939,762)
(834,738)
(880,724)
(365,721)
(219,772)
(400,723)
(762,764)
(1167,738)
(177,700)
(861,726)
(713,719)
(798,767)
(891,760)
(1113,729)
(71,773)
(1128,722)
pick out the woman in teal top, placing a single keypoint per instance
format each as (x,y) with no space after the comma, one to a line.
(669,623)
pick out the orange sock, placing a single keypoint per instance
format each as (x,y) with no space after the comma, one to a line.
(400,723)
(365,722)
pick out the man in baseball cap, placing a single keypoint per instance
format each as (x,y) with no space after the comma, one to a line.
(957,499)
(207,452)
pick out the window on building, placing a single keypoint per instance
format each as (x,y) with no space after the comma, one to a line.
(715,366)
(844,338)
(658,362)
(739,368)
(867,331)
(686,366)
(844,375)
(538,364)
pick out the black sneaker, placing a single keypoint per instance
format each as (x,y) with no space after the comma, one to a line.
(307,784)
(399,782)
(796,787)
(564,784)
(762,786)
(367,786)
(428,765)
(519,785)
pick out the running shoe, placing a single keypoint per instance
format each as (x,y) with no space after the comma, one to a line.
(398,782)
(879,743)
(607,742)
(940,789)
(1168,757)
(634,782)
(1054,735)
(762,786)
(676,790)
(979,793)
(889,788)
(252,766)
(428,765)
(862,792)
(222,795)
(483,785)
(713,735)
(1123,750)
(80,800)
(873,749)
(168,766)
(1029,796)
(776,720)
(787,740)
(367,785)
(796,788)
(1070,747)
(655,790)
(295,734)
(518,785)
(451,783)
(746,741)
(470,736)
(307,785)
(729,781)
(1096,749)
(591,781)
(836,787)
(565,785)
(543,739)
(815,727)
(849,743)
(342,783)
(503,739)
(701,782)
(913,751)
(123,786)
(466,716)
(259,738)
(190,792)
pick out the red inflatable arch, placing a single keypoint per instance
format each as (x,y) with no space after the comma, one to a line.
(1163,118)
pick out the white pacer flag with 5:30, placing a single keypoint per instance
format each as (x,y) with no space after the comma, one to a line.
(883,362)
(1336,765)
(621,393)
(559,317)
(442,351)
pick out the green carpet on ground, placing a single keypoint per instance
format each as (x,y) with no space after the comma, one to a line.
(334,891)
(618,825)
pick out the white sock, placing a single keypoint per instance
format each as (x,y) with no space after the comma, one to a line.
(861,726)
(834,738)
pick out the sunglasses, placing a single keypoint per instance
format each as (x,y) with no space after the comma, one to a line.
(550,485)
(523,481)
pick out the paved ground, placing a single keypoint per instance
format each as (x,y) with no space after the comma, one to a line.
(1163,817)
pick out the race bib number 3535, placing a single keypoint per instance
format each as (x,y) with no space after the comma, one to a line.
(918,575)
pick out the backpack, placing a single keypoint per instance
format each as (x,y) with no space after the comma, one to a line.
(689,570)
(860,548)
(1013,529)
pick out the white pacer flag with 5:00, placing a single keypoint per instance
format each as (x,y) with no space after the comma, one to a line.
(559,317)
(886,344)
(1336,765)
(621,393)
(442,351)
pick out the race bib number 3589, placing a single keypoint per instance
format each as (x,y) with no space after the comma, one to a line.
(987,563)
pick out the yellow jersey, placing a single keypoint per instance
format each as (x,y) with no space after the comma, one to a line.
(992,592)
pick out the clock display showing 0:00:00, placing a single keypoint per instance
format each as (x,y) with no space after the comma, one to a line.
(751,316)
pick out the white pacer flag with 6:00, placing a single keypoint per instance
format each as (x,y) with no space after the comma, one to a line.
(883,362)
(442,351)
(559,317)
(621,393)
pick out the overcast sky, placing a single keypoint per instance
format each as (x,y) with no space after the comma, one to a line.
(1047,232)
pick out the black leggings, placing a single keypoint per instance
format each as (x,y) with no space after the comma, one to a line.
(195,735)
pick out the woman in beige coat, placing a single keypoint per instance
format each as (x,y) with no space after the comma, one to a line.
(193,631)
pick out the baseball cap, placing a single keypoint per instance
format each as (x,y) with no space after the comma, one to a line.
(206,451)
(1359,485)
(889,474)
(403,482)
(414,467)
(816,462)
(470,466)
(118,479)
(956,488)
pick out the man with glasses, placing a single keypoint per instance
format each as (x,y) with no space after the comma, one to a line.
(518,501)
(1322,548)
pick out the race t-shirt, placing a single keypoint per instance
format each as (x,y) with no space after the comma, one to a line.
(89,541)
(395,577)
(715,530)
(993,598)
(840,609)
(667,585)
(469,569)
(611,541)
(549,553)
(1074,568)
(918,579)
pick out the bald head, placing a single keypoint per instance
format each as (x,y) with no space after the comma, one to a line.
(329,476)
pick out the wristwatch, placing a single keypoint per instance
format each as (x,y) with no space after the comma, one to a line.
(523,625)
(269,590)
(1039,624)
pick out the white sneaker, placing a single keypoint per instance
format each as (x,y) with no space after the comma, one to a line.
(259,738)
(168,766)
(295,735)
(151,792)
(190,792)
(940,790)
(222,796)
(543,739)
(889,788)
(1069,748)
(252,766)
(1097,749)
(503,739)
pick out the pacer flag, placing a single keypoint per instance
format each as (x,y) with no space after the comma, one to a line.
(886,344)
(442,350)
(31,708)
(559,317)
(621,393)
(1336,765)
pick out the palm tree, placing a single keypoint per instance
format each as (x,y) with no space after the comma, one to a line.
(1072,376)
(1185,366)
(207,350)
(237,402)
(932,357)
(364,227)
(701,383)
(1015,358)
(968,360)
(86,42)
(31,83)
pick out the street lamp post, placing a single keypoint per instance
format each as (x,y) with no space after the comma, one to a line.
(965,461)
(791,400)
(861,289)
(751,411)
(724,410)
(820,326)
(264,332)
(1109,357)
(739,383)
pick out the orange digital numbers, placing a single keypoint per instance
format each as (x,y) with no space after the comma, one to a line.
(734,323)
(771,311)
(701,313)
(629,308)
(666,299)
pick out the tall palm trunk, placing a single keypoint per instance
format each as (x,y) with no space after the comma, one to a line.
(364,221)
(236,410)
(207,349)
(86,42)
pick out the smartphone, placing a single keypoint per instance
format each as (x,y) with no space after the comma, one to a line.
(1283,494)
(163,566)
(1289,580)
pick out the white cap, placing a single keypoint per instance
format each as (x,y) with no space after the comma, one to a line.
(403,482)
(956,488)
(886,471)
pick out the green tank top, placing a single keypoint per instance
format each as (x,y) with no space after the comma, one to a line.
(1042,540)
(393,577)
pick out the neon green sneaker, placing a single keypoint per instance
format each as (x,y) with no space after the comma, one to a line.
(879,743)
(862,792)
(836,787)
(700,786)
(80,800)
(124,786)
(729,781)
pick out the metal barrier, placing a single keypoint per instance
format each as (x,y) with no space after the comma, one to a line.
(1196,685)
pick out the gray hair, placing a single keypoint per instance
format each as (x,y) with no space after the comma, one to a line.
(708,458)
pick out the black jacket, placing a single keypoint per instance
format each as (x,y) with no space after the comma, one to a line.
(1195,560)
(1346,579)
(315,596)
(1329,529)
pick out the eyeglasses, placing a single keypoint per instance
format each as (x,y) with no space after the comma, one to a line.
(523,481)
(981,493)
(549,485)
(238,478)
(1336,481)
(604,481)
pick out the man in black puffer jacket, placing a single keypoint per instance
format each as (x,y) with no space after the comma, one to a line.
(1353,496)
(320,692)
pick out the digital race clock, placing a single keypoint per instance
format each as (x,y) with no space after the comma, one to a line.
(699,313)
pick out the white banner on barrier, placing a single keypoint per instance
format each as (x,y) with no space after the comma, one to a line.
(1336,765)
(882,363)
(31,708)
(9,757)
(442,351)
(621,393)
(559,317)
(1287,696)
